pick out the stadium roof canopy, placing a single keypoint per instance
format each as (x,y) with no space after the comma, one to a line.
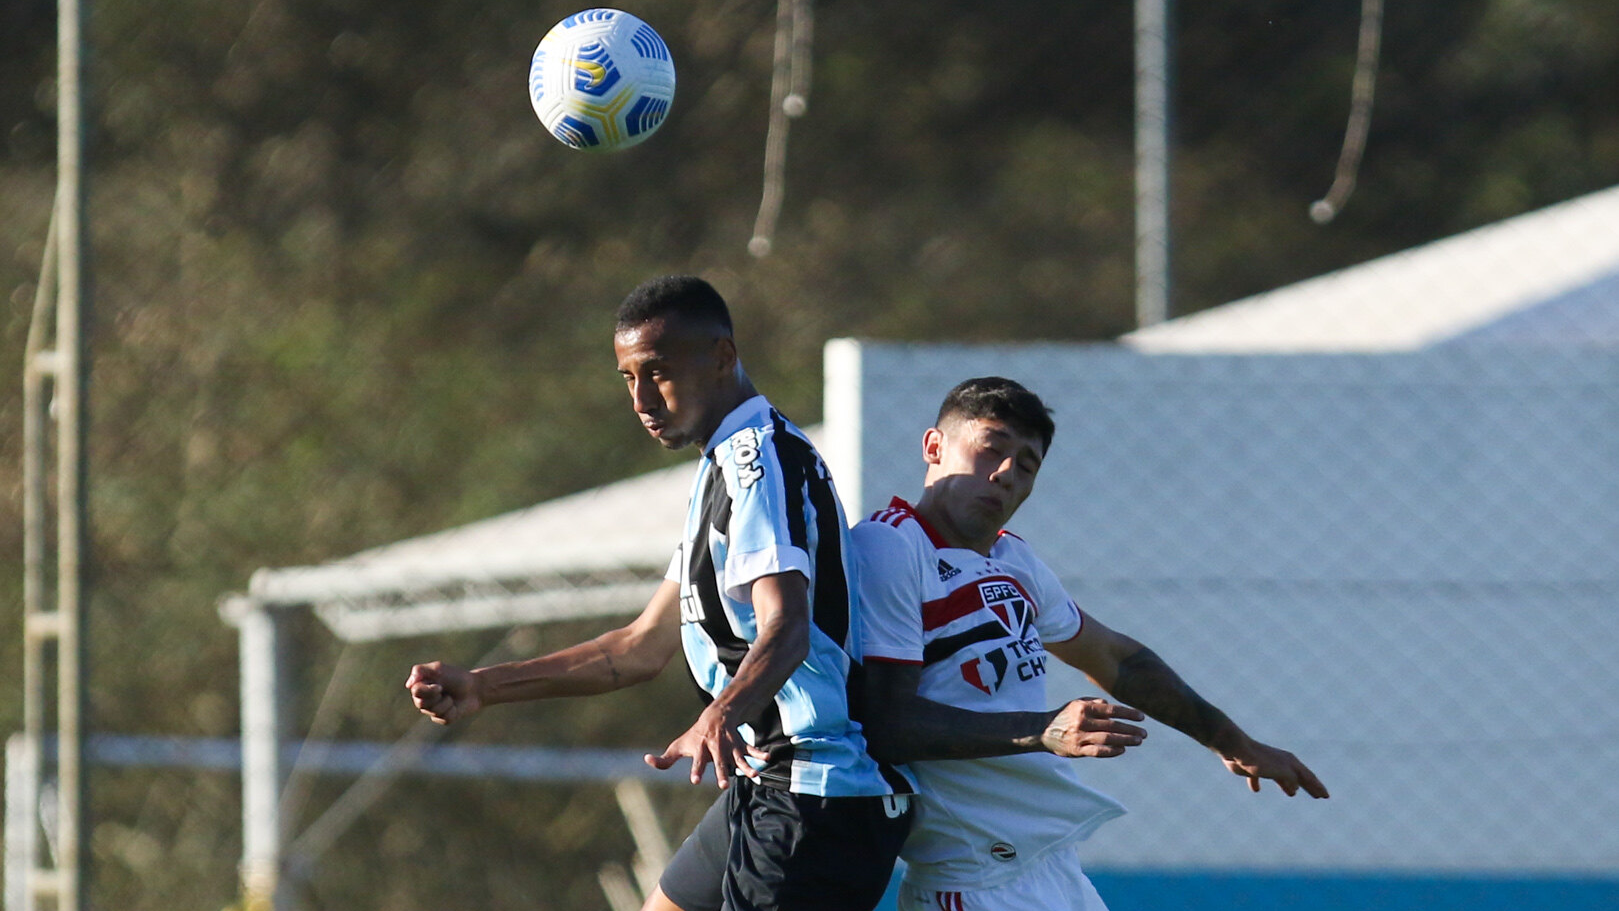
(1550,277)
(598,552)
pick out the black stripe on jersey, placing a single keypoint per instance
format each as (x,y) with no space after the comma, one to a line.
(943,647)
(804,474)
(768,736)
(729,647)
(803,471)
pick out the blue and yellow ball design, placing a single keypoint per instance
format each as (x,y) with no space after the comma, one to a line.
(602,79)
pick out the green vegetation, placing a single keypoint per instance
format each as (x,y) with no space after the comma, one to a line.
(348,291)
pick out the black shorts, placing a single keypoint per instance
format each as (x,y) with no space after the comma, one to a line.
(765,849)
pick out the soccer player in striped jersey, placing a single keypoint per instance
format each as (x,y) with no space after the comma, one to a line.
(961,617)
(759,598)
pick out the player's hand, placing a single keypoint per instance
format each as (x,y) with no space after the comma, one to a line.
(443,692)
(712,739)
(1254,760)
(1092,727)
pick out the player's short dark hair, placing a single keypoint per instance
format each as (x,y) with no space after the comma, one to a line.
(1000,399)
(685,298)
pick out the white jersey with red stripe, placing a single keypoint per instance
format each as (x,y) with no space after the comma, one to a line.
(977,626)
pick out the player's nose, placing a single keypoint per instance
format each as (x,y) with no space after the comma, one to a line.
(1003,473)
(645,398)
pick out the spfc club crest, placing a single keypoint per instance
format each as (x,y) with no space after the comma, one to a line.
(1005,600)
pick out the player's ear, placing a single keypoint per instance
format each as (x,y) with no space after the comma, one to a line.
(725,355)
(933,446)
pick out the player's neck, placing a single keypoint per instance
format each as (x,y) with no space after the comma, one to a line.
(931,511)
(726,402)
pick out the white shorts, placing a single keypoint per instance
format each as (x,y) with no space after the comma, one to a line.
(1053,884)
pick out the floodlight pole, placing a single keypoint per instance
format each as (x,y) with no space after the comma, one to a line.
(1152,161)
(62,367)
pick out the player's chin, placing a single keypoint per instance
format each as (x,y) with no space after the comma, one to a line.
(670,439)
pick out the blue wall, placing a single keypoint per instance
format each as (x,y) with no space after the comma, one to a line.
(1231,892)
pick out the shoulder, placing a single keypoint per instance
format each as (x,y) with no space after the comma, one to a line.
(893,528)
(878,535)
(1019,555)
(897,515)
(1009,546)
(888,551)
(763,434)
(745,454)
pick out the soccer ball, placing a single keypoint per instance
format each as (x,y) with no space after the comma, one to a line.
(601,80)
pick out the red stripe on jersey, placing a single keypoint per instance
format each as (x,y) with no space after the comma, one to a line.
(953,606)
(898,511)
(968,598)
(894,517)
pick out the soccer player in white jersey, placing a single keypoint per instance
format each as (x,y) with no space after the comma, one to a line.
(758,596)
(961,617)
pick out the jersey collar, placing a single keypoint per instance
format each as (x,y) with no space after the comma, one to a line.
(740,417)
(938,540)
(939,543)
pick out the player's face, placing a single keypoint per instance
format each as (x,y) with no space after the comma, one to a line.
(676,378)
(979,472)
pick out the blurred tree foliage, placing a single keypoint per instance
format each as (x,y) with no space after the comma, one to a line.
(347,291)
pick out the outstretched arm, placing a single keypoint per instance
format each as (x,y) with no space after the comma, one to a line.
(902,726)
(1134,674)
(618,658)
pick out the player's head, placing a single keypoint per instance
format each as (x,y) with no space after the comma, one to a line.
(997,398)
(684,298)
(676,355)
(982,456)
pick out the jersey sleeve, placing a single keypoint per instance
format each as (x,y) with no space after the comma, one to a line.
(889,580)
(1060,618)
(760,534)
(672,574)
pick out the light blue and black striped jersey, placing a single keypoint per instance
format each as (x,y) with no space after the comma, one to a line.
(763,503)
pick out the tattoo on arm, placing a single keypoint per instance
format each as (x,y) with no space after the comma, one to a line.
(1146,682)
(610,668)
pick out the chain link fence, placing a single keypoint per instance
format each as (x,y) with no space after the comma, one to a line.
(1393,555)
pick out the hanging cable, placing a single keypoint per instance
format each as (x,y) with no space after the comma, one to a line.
(1360,114)
(789,99)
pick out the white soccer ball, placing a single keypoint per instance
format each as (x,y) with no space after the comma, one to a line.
(601,80)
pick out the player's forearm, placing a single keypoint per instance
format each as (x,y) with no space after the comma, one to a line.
(1144,681)
(606,663)
(780,649)
(920,729)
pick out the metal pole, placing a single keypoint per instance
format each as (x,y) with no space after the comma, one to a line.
(263,729)
(1152,161)
(23,880)
(72,374)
